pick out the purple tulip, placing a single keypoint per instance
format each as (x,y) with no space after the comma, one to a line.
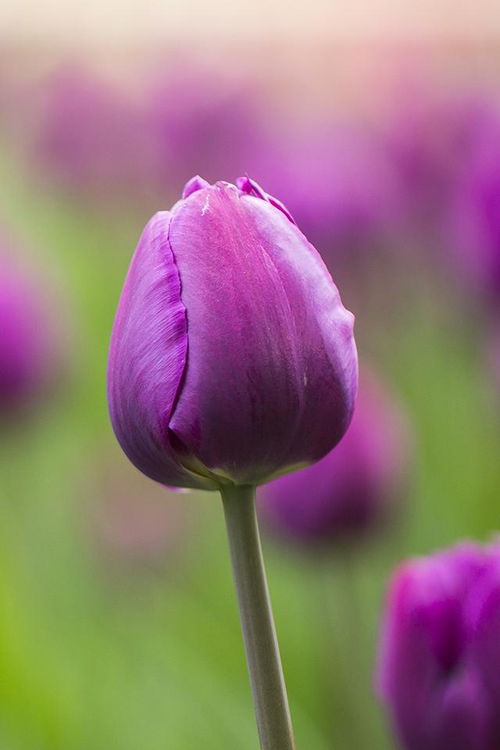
(427,135)
(232,358)
(92,134)
(475,214)
(338,184)
(349,492)
(440,658)
(202,122)
(26,348)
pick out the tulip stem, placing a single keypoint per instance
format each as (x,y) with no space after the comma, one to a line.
(259,634)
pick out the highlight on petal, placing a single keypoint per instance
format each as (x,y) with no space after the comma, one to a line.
(148,358)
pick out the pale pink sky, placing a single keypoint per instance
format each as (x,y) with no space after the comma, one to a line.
(139,20)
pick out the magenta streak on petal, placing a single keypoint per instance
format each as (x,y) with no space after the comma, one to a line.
(148,357)
(250,187)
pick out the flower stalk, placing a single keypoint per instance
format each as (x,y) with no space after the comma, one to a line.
(259,634)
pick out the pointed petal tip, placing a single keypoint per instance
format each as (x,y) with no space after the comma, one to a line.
(193,185)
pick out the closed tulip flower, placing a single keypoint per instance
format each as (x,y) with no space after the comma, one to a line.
(232,361)
(441,651)
(352,489)
(232,358)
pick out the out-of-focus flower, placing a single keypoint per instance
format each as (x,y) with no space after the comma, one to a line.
(440,657)
(474,237)
(338,184)
(202,121)
(352,489)
(91,135)
(232,357)
(427,134)
(27,341)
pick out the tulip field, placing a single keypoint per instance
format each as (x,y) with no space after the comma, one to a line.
(300,243)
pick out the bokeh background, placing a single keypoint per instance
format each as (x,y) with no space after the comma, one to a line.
(378,125)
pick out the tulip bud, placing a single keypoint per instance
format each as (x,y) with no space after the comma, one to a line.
(350,491)
(25,346)
(440,652)
(232,358)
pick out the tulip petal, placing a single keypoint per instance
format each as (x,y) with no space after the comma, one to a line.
(271,375)
(148,358)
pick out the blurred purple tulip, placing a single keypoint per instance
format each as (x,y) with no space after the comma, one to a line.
(440,657)
(232,357)
(427,135)
(338,185)
(27,346)
(350,491)
(474,237)
(92,135)
(201,121)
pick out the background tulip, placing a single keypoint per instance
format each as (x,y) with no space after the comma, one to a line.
(440,652)
(92,136)
(474,236)
(350,491)
(26,341)
(202,120)
(232,357)
(337,184)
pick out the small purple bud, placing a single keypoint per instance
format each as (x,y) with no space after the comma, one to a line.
(350,491)
(440,651)
(232,357)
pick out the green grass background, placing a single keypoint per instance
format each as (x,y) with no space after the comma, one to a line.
(95,655)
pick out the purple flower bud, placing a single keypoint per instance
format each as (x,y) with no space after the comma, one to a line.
(26,348)
(232,357)
(350,490)
(440,656)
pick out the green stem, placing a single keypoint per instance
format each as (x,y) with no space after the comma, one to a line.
(259,634)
